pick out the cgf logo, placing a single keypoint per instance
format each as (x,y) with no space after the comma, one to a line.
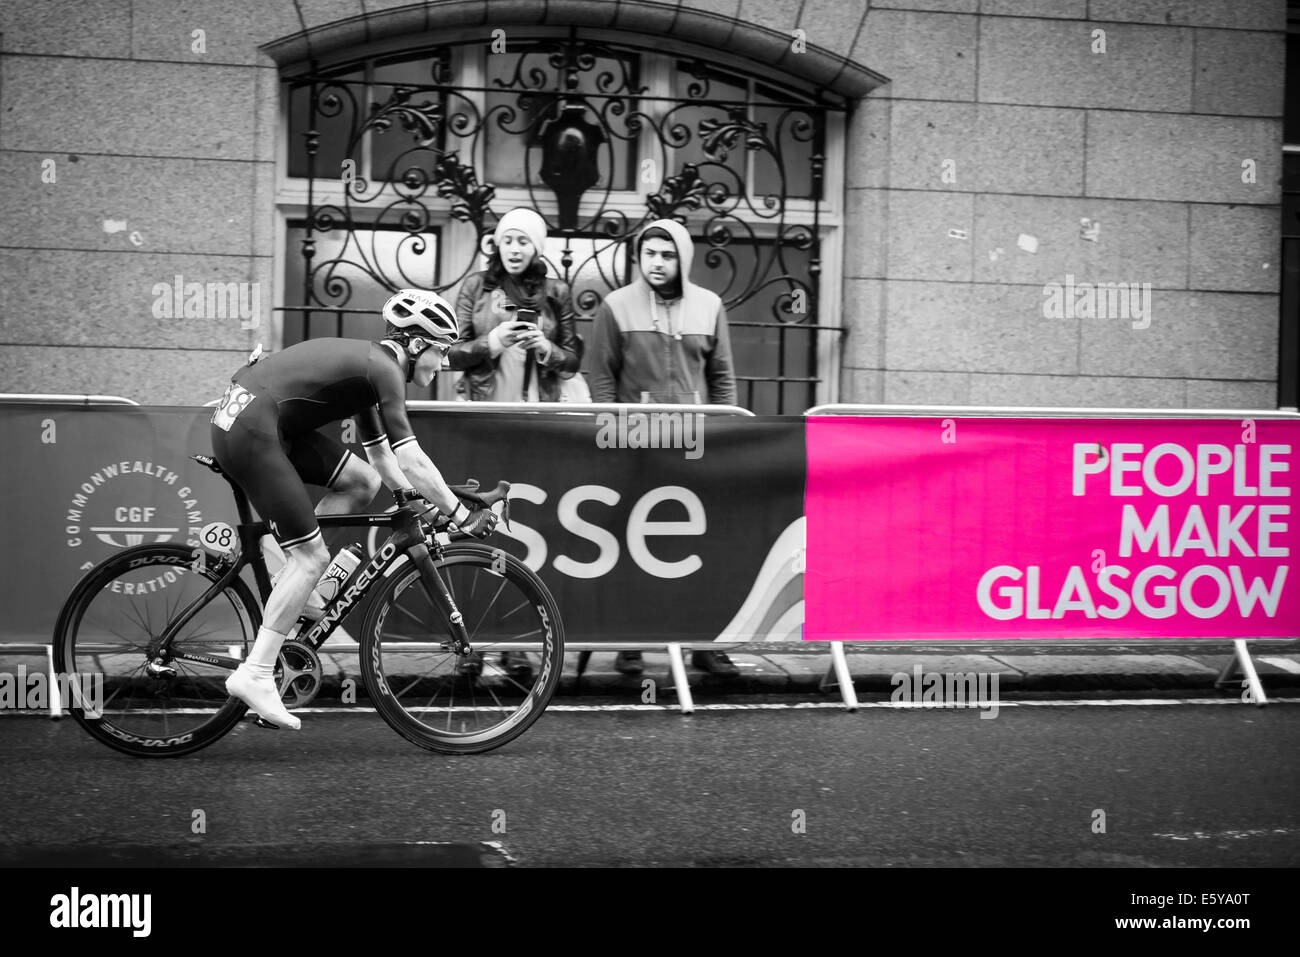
(130,503)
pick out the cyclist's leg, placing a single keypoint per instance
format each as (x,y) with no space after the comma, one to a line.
(351,484)
(251,453)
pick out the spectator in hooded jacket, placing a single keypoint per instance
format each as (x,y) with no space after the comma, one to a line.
(663,339)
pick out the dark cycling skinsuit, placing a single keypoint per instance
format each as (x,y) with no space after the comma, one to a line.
(264,429)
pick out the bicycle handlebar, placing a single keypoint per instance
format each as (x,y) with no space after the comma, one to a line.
(467,493)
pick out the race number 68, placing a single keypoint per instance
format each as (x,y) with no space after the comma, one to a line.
(218,537)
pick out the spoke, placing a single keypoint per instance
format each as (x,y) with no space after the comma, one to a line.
(125,683)
(472,682)
(413,616)
(415,679)
(132,644)
(473,583)
(130,611)
(188,668)
(199,635)
(148,626)
(109,700)
(436,689)
(523,604)
(508,638)
(505,674)
(168,608)
(483,617)
(494,694)
(451,698)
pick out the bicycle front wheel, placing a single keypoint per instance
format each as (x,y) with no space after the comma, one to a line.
(106,634)
(445,702)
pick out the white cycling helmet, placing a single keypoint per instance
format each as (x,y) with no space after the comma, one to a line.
(421,313)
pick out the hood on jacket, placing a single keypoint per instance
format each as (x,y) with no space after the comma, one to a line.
(685,249)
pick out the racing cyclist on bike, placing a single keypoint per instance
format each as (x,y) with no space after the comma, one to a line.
(264,437)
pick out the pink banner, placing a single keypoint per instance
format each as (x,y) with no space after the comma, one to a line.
(969,528)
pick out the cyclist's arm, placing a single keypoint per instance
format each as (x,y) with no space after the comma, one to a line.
(425,478)
(378,451)
(416,467)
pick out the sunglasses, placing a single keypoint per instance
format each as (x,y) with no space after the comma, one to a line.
(417,346)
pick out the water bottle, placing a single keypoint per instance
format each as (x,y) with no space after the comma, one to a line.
(332,582)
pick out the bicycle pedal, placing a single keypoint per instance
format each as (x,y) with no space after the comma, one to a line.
(263,723)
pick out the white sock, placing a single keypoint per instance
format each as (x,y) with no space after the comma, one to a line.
(266,648)
(263,697)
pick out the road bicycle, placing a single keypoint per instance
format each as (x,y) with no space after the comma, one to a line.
(165,623)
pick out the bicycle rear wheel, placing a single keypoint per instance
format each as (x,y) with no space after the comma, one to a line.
(424,691)
(105,632)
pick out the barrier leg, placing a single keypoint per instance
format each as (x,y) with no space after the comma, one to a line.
(1248,669)
(683,687)
(839,667)
(56,705)
(1242,662)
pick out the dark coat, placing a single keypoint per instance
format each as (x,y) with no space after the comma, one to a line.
(477,316)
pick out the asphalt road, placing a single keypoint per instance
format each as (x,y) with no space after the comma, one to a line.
(1179,785)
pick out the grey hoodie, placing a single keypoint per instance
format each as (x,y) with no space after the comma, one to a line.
(646,350)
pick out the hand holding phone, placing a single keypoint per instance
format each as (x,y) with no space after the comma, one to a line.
(517,330)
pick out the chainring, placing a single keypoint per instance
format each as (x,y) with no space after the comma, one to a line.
(297,674)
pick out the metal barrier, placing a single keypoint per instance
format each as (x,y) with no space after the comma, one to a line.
(60,398)
(581,408)
(1244,663)
(1072,412)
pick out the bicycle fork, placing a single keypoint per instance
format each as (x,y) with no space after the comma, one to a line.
(459,643)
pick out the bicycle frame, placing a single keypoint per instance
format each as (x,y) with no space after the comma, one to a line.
(408,538)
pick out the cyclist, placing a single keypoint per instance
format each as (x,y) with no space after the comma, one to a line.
(264,437)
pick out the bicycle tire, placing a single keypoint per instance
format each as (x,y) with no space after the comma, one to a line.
(78,642)
(397,696)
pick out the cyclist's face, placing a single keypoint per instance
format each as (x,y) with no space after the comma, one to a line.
(659,262)
(428,364)
(516,251)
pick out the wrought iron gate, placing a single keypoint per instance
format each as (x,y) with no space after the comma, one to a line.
(397,157)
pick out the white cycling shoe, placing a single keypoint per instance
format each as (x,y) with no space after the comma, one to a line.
(260,694)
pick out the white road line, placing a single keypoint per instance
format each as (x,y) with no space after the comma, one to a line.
(775,706)
(1230,835)
(1286,664)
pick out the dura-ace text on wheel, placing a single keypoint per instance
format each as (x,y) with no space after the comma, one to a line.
(155,706)
(425,691)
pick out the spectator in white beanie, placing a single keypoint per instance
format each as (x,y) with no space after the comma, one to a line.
(518,339)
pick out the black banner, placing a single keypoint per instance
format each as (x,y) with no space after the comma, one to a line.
(647,527)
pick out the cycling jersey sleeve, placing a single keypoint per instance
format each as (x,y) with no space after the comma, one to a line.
(371,427)
(390,395)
